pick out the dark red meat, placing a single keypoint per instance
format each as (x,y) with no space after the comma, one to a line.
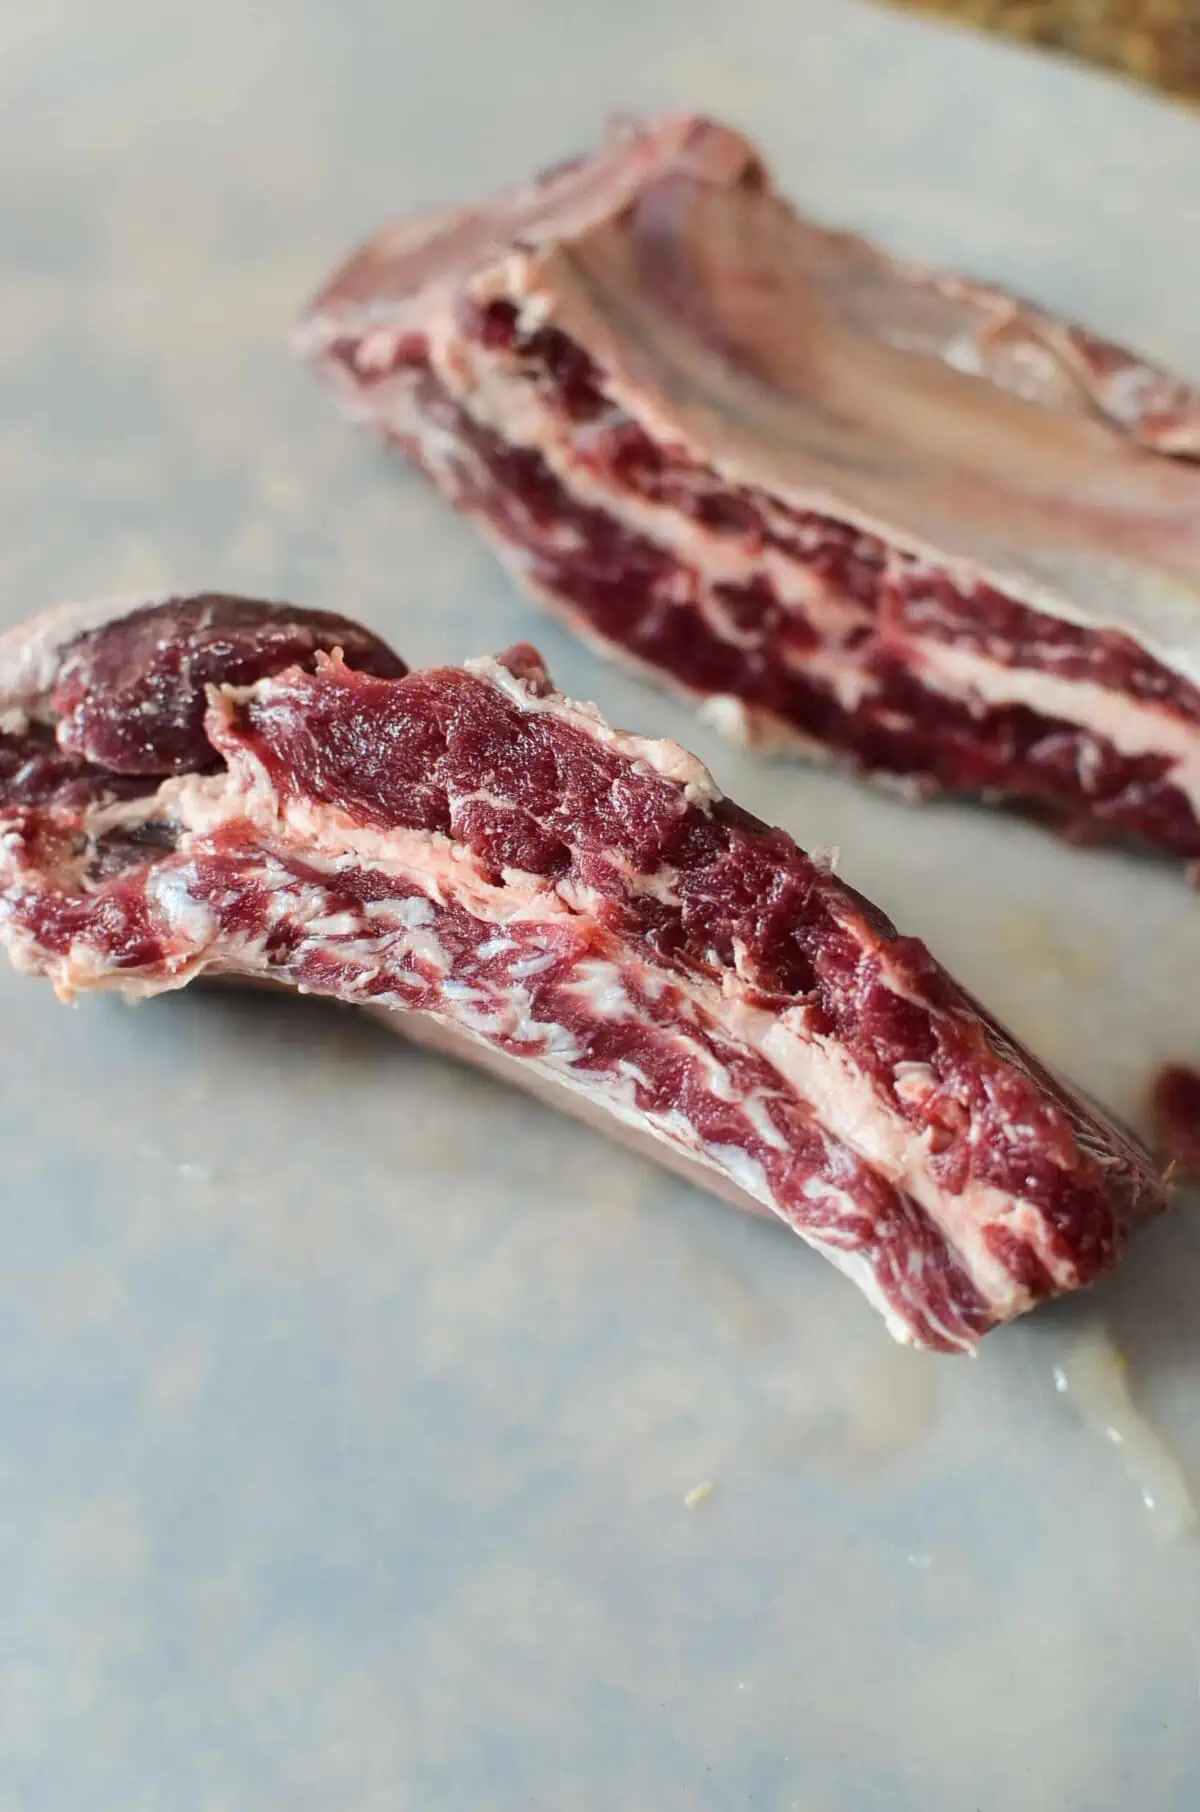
(1175,1104)
(579,907)
(132,694)
(855,508)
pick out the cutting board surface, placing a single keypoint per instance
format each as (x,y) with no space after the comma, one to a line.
(348,1403)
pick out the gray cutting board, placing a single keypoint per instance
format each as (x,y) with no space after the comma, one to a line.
(347,1403)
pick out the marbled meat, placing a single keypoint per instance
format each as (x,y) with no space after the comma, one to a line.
(853,507)
(214,786)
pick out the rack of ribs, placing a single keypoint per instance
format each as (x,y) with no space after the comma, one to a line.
(211,786)
(854,508)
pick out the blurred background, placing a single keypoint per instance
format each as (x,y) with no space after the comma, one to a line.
(1153,41)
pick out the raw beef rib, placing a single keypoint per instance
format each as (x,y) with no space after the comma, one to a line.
(213,786)
(1175,1109)
(855,507)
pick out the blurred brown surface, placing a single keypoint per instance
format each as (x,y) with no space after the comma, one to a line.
(1154,41)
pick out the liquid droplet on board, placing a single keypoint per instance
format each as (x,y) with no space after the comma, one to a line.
(1091,1374)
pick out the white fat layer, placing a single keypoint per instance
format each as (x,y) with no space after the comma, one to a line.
(1133,726)
(757,1110)
(120,814)
(444,454)
(533,965)
(1077,570)
(914,1081)
(840,1096)
(169,890)
(843,1098)
(603,986)
(517,409)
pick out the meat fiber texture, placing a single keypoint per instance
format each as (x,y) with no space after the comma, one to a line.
(854,507)
(214,786)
